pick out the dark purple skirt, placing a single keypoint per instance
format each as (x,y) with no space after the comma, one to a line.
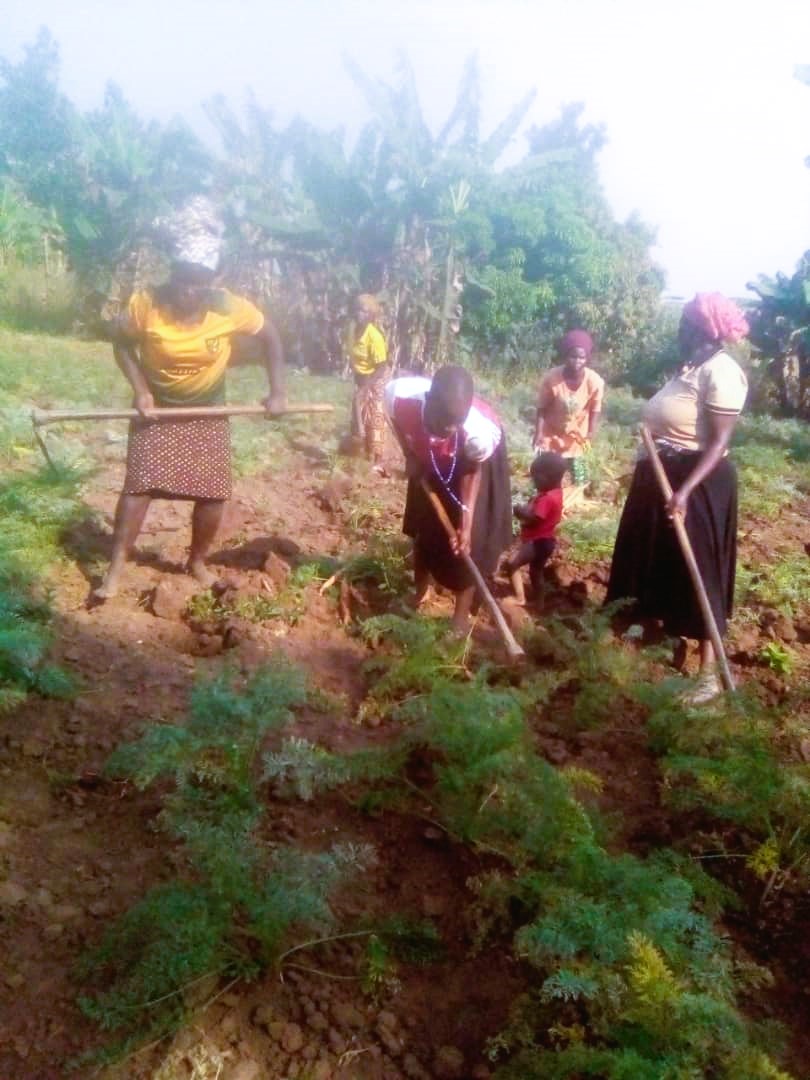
(491,527)
(648,566)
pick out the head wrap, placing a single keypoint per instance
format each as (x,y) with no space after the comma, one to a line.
(575,339)
(194,233)
(717,317)
(370,303)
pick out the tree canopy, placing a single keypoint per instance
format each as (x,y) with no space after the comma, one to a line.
(471,258)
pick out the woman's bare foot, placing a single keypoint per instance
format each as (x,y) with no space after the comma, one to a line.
(200,572)
(460,626)
(106,590)
(109,586)
(418,597)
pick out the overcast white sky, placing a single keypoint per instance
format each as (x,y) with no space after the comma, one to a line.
(708,130)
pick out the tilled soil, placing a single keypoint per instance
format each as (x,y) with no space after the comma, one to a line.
(77,850)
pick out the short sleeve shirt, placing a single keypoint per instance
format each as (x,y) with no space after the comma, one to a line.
(566,412)
(679,412)
(547,507)
(369,351)
(185,364)
(476,441)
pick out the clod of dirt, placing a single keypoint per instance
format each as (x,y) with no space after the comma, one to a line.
(334,492)
(171,596)
(448,1064)
(317,1021)
(286,547)
(745,645)
(517,617)
(778,626)
(387,1033)
(12,894)
(412,1068)
(556,752)
(209,645)
(245,1070)
(347,1016)
(277,570)
(433,905)
(292,1038)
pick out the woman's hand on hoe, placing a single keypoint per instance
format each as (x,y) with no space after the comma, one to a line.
(144,402)
(677,504)
(461,544)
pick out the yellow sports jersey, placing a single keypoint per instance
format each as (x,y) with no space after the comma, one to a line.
(186,364)
(369,351)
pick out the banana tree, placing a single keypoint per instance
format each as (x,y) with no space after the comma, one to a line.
(780,333)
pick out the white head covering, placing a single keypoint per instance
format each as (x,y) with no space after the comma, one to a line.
(195,232)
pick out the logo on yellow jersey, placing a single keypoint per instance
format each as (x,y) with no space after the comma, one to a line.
(213,345)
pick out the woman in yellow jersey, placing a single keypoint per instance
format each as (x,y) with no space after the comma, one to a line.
(173,344)
(369,357)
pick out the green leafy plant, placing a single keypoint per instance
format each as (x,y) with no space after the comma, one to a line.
(619,944)
(35,508)
(736,770)
(777,658)
(232,912)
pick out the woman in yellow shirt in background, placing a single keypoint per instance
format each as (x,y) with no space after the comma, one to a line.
(173,344)
(369,359)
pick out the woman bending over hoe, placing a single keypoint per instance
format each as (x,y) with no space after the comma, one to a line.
(691,420)
(454,442)
(173,344)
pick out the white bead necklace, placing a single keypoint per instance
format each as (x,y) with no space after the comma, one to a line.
(446,480)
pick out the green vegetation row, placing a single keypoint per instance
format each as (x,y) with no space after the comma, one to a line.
(626,975)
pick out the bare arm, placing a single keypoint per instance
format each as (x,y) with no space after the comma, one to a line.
(273,358)
(593,423)
(126,356)
(538,428)
(721,428)
(469,487)
(525,514)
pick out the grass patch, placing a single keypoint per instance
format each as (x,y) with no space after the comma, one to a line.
(783,584)
(592,537)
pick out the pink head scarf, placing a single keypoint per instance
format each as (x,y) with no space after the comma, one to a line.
(576,339)
(716,316)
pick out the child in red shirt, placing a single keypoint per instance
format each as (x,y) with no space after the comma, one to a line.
(539,519)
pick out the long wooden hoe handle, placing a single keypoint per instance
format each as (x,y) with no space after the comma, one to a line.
(512,647)
(691,561)
(53,416)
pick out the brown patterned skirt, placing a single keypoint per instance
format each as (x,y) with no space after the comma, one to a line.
(179,459)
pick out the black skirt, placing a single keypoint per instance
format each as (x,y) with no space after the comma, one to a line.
(648,566)
(491,526)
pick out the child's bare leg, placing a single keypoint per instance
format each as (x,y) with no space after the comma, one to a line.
(522,557)
(461,615)
(537,579)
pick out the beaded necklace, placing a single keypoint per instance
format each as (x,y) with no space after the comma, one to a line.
(446,480)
